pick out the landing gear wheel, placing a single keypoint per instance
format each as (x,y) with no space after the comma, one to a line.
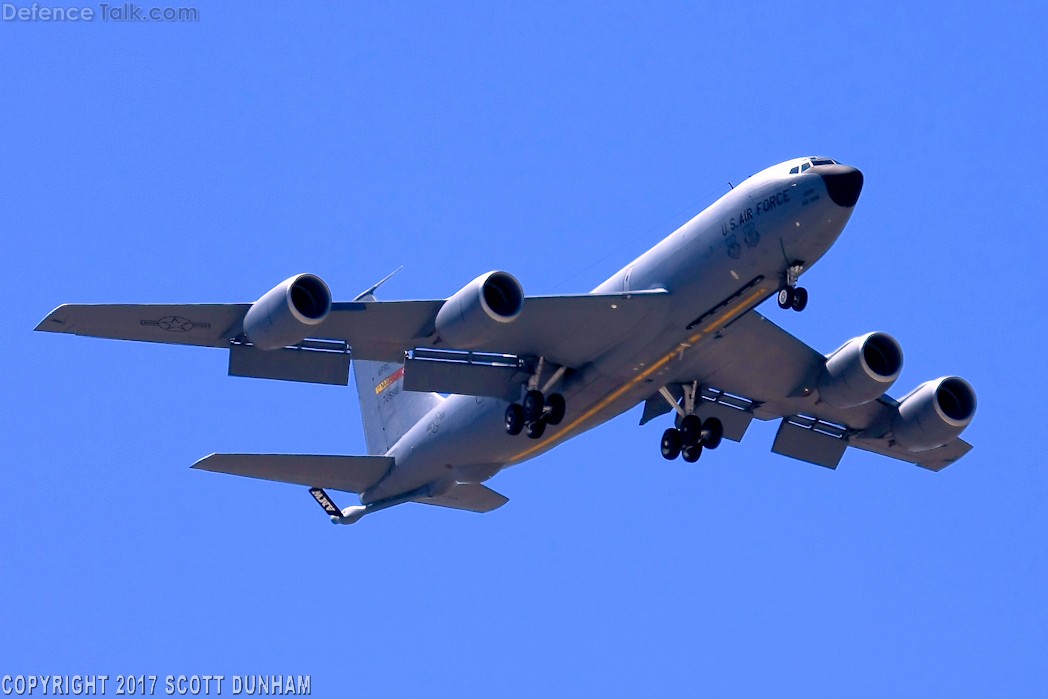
(712,433)
(514,419)
(533,405)
(691,454)
(557,406)
(690,430)
(671,444)
(800,299)
(535,429)
(787,297)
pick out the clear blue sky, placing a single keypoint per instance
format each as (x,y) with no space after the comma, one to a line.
(207,161)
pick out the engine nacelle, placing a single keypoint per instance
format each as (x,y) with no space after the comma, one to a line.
(476,312)
(934,414)
(288,312)
(860,371)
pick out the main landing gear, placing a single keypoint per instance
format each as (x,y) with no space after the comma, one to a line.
(535,412)
(791,295)
(689,440)
(538,408)
(692,434)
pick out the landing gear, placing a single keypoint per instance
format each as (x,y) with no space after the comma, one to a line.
(514,419)
(691,454)
(535,412)
(689,440)
(690,430)
(791,295)
(535,429)
(671,444)
(557,407)
(533,405)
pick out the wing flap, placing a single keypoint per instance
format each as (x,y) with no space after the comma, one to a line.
(353,474)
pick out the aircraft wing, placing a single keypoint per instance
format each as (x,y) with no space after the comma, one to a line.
(773,373)
(204,324)
(568,330)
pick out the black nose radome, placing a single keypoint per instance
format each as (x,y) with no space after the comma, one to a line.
(843,183)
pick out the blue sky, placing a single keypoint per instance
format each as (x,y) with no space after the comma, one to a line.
(207,161)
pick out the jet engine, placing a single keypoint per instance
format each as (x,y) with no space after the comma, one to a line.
(288,312)
(476,312)
(861,370)
(934,413)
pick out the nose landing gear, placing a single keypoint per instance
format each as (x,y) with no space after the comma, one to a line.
(791,295)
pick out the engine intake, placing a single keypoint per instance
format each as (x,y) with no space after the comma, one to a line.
(288,312)
(476,312)
(935,413)
(861,370)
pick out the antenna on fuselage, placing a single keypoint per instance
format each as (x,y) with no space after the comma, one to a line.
(731,186)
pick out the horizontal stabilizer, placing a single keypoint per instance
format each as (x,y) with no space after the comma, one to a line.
(467,496)
(353,474)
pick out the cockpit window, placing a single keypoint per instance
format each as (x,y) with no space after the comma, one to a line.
(807,164)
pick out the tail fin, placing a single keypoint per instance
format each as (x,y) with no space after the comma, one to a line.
(388,411)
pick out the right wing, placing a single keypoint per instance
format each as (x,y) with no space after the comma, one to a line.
(201,324)
(567,330)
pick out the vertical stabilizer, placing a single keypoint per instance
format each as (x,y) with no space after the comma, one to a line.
(388,411)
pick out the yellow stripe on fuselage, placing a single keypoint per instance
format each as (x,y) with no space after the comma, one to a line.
(728,316)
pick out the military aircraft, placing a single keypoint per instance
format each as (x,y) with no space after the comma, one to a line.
(675,329)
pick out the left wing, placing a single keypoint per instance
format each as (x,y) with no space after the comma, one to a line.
(774,374)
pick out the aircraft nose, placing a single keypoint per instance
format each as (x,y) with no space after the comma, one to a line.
(843,184)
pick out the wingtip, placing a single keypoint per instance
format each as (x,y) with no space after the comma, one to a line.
(200,462)
(53,321)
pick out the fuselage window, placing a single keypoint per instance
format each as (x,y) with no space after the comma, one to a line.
(805,166)
(795,169)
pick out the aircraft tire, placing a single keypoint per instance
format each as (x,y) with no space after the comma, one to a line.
(535,429)
(671,444)
(800,299)
(786,297)
(691,454)
(690,430)
(712,433)
(533,405)
(557,407)
(514,419)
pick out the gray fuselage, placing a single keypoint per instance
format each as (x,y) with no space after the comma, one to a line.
(716,267)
